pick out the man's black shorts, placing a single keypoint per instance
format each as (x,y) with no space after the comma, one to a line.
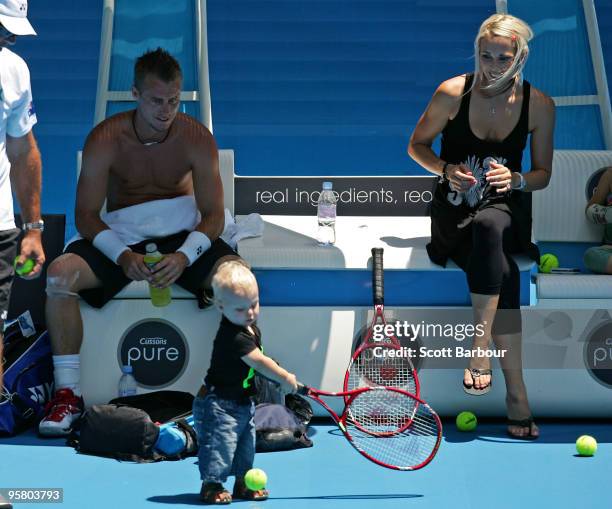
(8,250)
(114,280)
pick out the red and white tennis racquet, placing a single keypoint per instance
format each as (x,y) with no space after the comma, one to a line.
(388,426)
(374,362)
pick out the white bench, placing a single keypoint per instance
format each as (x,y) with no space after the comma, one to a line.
(315,341)
(558,213)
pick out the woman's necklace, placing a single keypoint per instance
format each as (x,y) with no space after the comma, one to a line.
(492,106)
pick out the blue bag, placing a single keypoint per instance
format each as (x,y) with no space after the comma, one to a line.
(28,378)
(173,436)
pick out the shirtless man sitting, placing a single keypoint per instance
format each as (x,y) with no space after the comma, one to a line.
(160,169)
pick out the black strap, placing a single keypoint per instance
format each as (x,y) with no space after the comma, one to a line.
(524,119)
(464,108)
(27,413)
(191,448)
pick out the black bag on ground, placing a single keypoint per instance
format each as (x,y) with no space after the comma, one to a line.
(129,432)
(116,431)
(277,428)
(280,427)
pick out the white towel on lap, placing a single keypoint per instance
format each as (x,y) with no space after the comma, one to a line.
(161,218)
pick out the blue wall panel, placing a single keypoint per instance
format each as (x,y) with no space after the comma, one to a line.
(63,61)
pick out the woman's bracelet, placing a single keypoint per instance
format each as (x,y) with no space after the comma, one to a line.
(522,182)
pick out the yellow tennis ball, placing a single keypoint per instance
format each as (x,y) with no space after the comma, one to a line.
(586,445)
(24,268)
(466,421)
(255,479)
(548,262)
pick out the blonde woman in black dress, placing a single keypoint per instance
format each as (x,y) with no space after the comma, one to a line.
(481,211)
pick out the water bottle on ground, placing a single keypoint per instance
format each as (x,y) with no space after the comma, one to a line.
(160,297)
(127,383)
(326,212)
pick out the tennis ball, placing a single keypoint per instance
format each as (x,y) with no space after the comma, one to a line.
(548,262)
(255,479)
(466,421)
(586,445)
(24,268)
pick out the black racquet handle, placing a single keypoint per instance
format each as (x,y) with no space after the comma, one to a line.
(378,282)
(302,389)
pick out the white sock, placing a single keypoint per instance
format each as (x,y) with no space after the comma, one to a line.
(67,372)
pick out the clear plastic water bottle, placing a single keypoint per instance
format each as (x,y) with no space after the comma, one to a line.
(326,212)
(127,383)
(160,297)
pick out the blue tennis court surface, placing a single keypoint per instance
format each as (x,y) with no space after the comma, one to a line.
(330,87)
(472,470)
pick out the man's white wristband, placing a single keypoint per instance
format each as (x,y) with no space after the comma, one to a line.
(195,245)
(109,243)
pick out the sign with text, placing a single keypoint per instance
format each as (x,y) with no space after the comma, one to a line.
(598,353)
(357,196)
(157,351)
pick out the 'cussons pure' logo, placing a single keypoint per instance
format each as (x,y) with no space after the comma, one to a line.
(157,352)
(598,353)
